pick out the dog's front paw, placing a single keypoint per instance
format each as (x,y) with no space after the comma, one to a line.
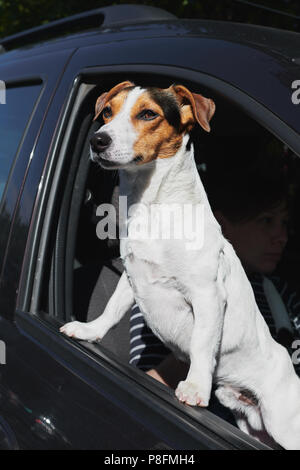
(190,393)
(79,330)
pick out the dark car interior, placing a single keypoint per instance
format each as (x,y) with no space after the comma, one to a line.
(83,270)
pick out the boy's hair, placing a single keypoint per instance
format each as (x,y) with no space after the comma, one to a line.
(242,186)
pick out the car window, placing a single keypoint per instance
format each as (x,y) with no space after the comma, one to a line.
(14,115)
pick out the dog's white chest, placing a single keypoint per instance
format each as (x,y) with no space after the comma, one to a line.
(159,293)
(147,264)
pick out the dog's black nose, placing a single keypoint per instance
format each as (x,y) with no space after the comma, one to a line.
(100,142)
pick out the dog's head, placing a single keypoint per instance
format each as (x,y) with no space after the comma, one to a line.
(143,124)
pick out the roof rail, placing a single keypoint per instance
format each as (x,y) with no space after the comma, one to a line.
(101,17)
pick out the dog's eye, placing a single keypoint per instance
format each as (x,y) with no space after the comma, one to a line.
(147,115)
(107,112)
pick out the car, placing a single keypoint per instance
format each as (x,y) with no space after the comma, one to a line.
(57,392)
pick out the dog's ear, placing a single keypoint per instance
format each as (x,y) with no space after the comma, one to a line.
(194,107)
(100,103)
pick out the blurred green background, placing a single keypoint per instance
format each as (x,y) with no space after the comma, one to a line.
(18,15)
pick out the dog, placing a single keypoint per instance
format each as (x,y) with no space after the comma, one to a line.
(198,301)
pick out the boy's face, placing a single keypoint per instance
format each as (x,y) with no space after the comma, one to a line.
(259,242)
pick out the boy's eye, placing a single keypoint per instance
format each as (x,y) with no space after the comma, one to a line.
(286,222)
(107,112)
(264,220)
(147,115)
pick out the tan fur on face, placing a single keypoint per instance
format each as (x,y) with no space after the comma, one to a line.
(156,138)
(115,104)
(107,96)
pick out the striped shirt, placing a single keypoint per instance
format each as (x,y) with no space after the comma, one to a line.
(147,351)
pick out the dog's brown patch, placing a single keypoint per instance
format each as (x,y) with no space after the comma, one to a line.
(106,97)
(156,138)
(115,104)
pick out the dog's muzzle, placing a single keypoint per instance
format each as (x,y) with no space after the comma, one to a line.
(100,142)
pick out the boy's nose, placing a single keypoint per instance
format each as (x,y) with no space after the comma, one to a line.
(280,234)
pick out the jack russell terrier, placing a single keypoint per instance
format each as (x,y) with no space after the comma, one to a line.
(198,301)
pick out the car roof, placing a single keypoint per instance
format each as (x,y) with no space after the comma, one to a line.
(263,62)
(140,21)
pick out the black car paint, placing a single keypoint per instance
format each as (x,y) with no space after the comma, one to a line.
(56,393)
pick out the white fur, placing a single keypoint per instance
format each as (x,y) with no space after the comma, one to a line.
(199,302)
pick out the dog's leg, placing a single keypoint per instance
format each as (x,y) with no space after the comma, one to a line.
(119,303)
(208,323)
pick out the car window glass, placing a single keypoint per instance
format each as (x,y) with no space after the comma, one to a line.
(14,115)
